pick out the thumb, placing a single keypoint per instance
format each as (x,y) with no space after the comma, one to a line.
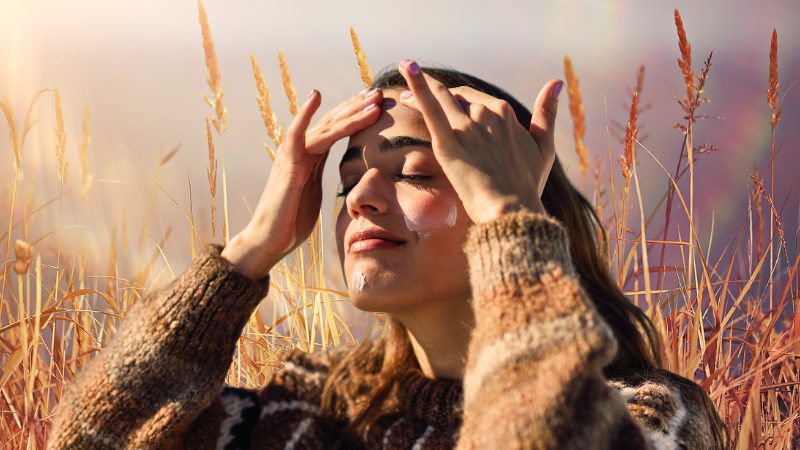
(543,122)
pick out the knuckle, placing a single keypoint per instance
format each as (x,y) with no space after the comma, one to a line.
(504,108)
(479,111)
(440,88)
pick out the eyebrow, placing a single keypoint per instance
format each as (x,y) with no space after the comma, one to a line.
(386,145)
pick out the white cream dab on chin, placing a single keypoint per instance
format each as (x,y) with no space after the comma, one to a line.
(359,281)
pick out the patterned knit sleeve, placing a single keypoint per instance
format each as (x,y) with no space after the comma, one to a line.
(163,374)
(672,410)
(284,414)
(534,374)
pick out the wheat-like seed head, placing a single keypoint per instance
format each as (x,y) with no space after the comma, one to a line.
(23,252)
(29,120)
(211,171)
(632,132)
(578,113)
(686,62)
(263,99)
(8,111)
(61,142)
(280,136)
(291,93)
(212,162)
(213,79)
(270,152)
(626,173)
(366,72)
(773,90)
(86,177)
(14,138)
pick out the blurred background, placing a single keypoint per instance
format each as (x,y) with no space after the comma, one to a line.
(139,66)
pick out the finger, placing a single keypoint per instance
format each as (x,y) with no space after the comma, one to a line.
(543,122)
(294,146)
(357,113)
(470,96)
(439,108)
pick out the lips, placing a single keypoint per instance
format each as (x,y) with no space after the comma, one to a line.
(372,238)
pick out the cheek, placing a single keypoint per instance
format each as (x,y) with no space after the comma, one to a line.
(426,213)
(342,222)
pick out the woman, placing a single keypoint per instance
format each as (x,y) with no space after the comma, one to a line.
(455,222)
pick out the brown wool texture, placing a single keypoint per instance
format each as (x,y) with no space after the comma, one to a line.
(534,375)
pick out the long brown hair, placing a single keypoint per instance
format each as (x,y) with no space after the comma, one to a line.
(360,386)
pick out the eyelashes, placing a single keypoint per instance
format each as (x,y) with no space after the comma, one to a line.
(399,176)
(345,190)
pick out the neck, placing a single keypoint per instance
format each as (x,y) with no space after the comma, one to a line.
(439,332)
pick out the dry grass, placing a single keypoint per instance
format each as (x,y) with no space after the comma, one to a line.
(286,79)
(727,318)
(578,113)
(366,72)
(220,120)
(211,171)
(263,99)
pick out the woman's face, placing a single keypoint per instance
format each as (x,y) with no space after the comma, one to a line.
(401,227)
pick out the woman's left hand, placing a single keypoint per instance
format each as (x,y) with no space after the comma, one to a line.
(494,164)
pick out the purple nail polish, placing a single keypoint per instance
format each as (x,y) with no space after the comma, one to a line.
(311,94)
(406,94)
(371,92)
(370,107)
(413,68)
(557,89)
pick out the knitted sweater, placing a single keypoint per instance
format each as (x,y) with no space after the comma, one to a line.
(534,375)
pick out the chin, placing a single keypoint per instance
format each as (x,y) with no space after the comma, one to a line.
(382,290)
(373,298)
(368,303)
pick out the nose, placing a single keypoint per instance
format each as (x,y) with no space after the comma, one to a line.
(369,196)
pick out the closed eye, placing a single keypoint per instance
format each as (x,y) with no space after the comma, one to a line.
(400,176)
(345,190)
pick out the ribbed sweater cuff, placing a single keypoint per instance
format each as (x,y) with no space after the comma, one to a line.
(518,244)
(208,305)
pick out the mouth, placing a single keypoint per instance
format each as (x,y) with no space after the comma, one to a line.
(373,239)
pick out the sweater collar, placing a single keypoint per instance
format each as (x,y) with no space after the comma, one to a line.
(436,402)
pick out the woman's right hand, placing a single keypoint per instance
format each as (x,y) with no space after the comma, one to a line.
(289,206)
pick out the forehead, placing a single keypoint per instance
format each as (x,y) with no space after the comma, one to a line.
(395,120)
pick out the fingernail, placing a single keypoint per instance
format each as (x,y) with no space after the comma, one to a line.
(371,92)
(370,107)
(406,94)
(413,68)
(557,89)
(404,62)
(311,94)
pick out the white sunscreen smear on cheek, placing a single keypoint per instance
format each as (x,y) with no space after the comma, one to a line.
(430,219)
(453,216)
(359,281)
